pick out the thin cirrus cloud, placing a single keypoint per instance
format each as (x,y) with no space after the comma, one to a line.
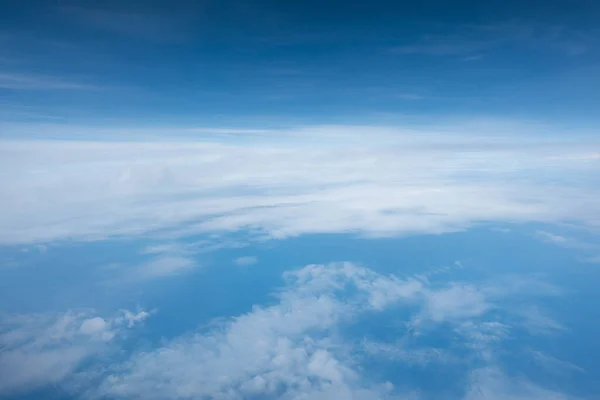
(294,349)
(245,261)
(475,40)
(24,81)
(371,181)
(589,251)
(152,26)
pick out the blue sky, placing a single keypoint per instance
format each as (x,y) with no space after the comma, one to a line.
(299,200)
(222,63)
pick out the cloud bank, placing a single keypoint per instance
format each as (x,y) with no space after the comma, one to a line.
(298,348)
(365,180)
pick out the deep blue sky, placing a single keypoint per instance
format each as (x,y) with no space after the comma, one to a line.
(257,63)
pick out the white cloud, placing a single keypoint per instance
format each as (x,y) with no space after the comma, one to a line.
(366,180)
(95,326)
(132,318)
(590,251)
(563,241)
(245,261)
(537,322)
(164,266)
(287,351)
(294,349)
(554,365)
(456,302)
(161,265)
(593,259)
(408,354)
(21,81)
(493,384)
(37,350)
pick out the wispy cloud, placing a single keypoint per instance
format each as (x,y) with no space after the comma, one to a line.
(245,261)
(167,265)
(554,365)
(136,23)
(37,350)
(538,323)
(590,251)
(24,81)
(444,47)
(494,384)
(474,41)
(400,352)
(293,349)
(562,241)
(266,183)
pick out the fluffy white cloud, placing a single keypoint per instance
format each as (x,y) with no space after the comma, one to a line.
(294,349)
(365,180)
(288,350)
(96,326)
(41,349)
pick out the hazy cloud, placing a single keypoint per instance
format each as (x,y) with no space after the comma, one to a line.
(274,186)
(293,349)
(24,81)
(42,349)
(245,261)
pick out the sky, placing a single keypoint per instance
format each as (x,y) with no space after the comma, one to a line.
(279,64)
(299,200)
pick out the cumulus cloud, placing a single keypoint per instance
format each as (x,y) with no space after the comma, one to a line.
(397,182)
(94,326)
(37,350)
(294,349)
(282,351)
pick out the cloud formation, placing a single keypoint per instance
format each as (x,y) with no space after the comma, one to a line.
(41,349)
(245,261)
(281,351)
(364,180)
(590,251)
(297,349)
(21,81)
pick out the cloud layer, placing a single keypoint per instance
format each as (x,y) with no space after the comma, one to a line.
(298,348)
(42,349)
(366,180)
